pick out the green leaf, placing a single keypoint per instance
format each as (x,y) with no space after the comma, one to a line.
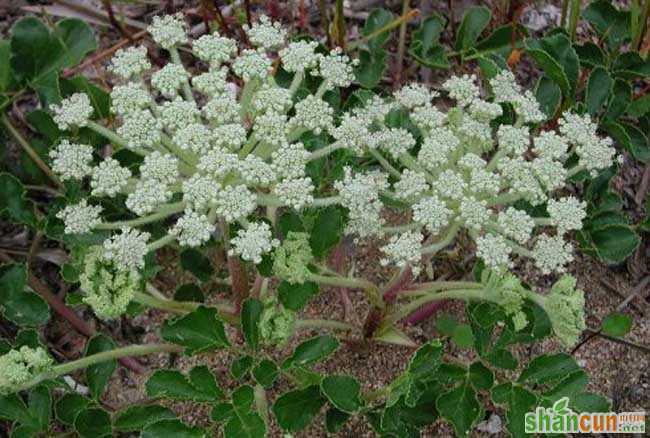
(99,99)
(5,70)
(93,423)
(68,406)
(548,367)
(553,52)
(171,429)
(549,96)
(461,408)
(39,401)
(250,318)
(265,373)
(296,296)
(446,324)
(240,367)
(98,375)
(296,409)
(614,243)
(327,231)
(463,336)
(570,386)
(630,65)
(311,351)
(377,19)
(43,122)
(639,107)
(136,417)
(638,142)
(608,21)
(590,402)
(241,421)
(334,420)
(18,305)
(13,408)
(519,401)
(490,65)
(199,386)
(590,54)
(13,203)
(502,358)
(425,43)
(199,331)
(342,392)
(616,324)
(620,100)
(189,292)
(599,87)
(500,41)
(474,23)
(480,376)
(371,68)
(193,261)
(38,55)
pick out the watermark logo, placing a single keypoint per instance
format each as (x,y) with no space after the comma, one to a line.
(561,419)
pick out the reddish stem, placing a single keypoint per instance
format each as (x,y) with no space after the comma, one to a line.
(338,260)
(423,313)
(239,279)
(402,282)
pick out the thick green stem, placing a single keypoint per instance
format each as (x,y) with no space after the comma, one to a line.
(176,59)
(325,323)
(118,353)
(446,240)
(162,213)
(456,294)
(296,81)
(355,283)
(178,307)
(384,163)
(111,136)
(387,28)
(640,31)
(565,9)
(433,286)
(163,241)
(325,151)
(24,144)
(573,19)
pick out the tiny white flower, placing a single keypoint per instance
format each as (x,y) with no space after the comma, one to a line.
(235,202)
(212,83)
(214,49)
(415,95)
(109,178)
(403,250)
(266,34)
(550,145)
(129,97)
(411,184)
(516,224)
(336,69)
(513,140)
(127,249)
(160,167)
(195,137)
(474,212)
(450,185)
(567,213)
(140,129)
(272,99)
(80,218)
(147,196)
(313,114)
(551,254)
(271,128)
(256,171)
(200,191)
(130,62)
(168,31)
(252,64)
(169,79)
(462,89)
(299,56)
(218,162)
(436,148)
(177,113)
(252,242)
(505,87)
(295,193)
(222,110)
(428,117)
(192,229)
(71,160)
(73,112)
(289,160)
(230,135)
(494,250)
(431,212)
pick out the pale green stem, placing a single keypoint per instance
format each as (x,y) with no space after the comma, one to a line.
(295,83)
(573,18)
(325,151)
(247,94)
(153,291)
(324,202)
(157,244)
(84,362)
(506,198)
(575,170)
(325,323)
(24,144)
(355,283)
(261,403)
(387,28)
(456,294)
(187,156)
(495,159)
(162,213)
(401,228)
(111,136)
(446,240)
(248,146)
(434,286)
(269,200)
(178,307)
(322,89)
(384,163)
(543,221)
(176,59)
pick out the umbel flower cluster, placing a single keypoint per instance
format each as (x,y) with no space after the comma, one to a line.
(220,144)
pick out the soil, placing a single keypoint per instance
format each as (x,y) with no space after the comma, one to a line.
(616,370)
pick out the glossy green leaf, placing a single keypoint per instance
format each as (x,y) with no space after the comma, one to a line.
(500,40)
(620,100)
(199,331)
(518,401)
(377,19)
(609,22)
(265,373)
(195,262)
(446,324)
(171,429)
(335,420)
(474,22)
(590,54)
(311,351)
(480,376)
(135,418)
(590,402)
(93,423)
(200,385)
(630,65)
(327,231)
(570,386)
(39,402)
(549,96)
(98,375)
(425,43)
(548,367)
(13,408)
(614,243)
(461,408)
(463,336)
(553,52)
(371,68)
(250,318)
(296,296)
(19,305)
(69,405)
(639,107)
(599,87)
(342,392)
(13,203)
(616,324)
(240,367)
(502,358)
(294,410)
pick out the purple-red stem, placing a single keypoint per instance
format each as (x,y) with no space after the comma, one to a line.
(402,282)
(338,259)
(423,313)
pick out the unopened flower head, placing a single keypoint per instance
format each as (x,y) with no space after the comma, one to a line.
(140,129)
(169,79)
(129,97)
(299,56)
(403,250)
(20,366)
(291,259)
(73,112)
(272,99)
(160,167)
(109,178)
(192,229)
(567,213)
(462,89)
(336,69)
(178,113)
(223,110)
(505,87)
(256,171)
(552,253)
(252,64)
(313,114)
(195,137)
(414,95)
(212,83)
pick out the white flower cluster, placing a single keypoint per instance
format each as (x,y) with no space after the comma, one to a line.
(215,148)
